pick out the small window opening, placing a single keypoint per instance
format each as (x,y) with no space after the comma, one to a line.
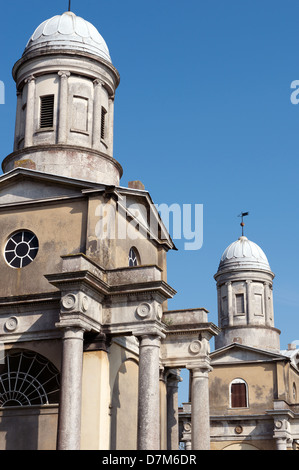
(103,123)
(133,259)
(240,307)
(46,111)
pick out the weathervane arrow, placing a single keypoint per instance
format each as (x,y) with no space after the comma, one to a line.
(242,215)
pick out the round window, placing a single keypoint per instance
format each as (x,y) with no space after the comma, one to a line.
(21,249)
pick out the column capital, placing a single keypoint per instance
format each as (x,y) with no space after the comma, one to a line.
(200,369)
(64,73)
(98,81)
(151,333)
(30,79)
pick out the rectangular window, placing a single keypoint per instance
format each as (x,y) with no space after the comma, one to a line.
(240,307)
(103,123)
(46,111)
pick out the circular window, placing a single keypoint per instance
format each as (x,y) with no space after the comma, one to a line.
(21,249)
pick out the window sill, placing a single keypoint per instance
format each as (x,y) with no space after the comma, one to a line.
(44,129)
(79,131)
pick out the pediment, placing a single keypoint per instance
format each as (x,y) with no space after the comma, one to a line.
(21,185)
(236,353)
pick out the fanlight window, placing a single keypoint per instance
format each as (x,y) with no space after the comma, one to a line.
(133,257)
(27,379)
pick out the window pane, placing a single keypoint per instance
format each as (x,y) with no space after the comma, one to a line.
(240,303)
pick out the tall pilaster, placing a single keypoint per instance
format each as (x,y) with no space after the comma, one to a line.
(63,107)
(97,112)
(29,126)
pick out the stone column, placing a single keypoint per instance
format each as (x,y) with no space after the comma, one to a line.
(230,304)
(200,409)
(18,120)
(110,125)
(172,411)
(63,107)
(148,393)
(267,304)
(30,105)
(250,312)
(281,443)
(97,114)
(69,424)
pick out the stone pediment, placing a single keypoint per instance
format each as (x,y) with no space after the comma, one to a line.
(235,353)
(21,185)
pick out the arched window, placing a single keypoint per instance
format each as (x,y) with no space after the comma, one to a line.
(294,392)
(133,257)
(238,394)
(26,379)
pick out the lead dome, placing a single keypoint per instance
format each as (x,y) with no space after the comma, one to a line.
(243,254)
(68,32)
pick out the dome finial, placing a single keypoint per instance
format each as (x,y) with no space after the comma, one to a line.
(243,214)
(69,5)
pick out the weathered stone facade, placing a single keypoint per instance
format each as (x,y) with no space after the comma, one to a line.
(84,292)
(253,385)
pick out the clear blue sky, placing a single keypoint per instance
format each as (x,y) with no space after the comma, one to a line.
(202,116)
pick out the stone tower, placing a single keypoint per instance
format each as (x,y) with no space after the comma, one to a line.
(245,303)
(88,341)
(65,87)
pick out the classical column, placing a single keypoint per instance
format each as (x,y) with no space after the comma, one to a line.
(230,304)
(18,120)
(281,443)
(63,107)
(200,409)
(110,124)
(69,424)
(148,393)
(30,105)
(97,114)
(172,411)
(250,312)
(267,304)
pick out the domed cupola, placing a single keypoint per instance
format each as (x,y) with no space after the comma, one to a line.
(245,301)
(65,103)
(68,31)
(243,254)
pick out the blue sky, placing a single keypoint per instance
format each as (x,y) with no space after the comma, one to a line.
(202,116)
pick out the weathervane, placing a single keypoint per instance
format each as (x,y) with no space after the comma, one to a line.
(243,214)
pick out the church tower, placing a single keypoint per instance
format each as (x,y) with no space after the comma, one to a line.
(65,97)
(245,302)
(88,342)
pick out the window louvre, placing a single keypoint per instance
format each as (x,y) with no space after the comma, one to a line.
(103,123)
(46,111)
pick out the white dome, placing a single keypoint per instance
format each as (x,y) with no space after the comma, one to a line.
(243,254)
(71,32)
